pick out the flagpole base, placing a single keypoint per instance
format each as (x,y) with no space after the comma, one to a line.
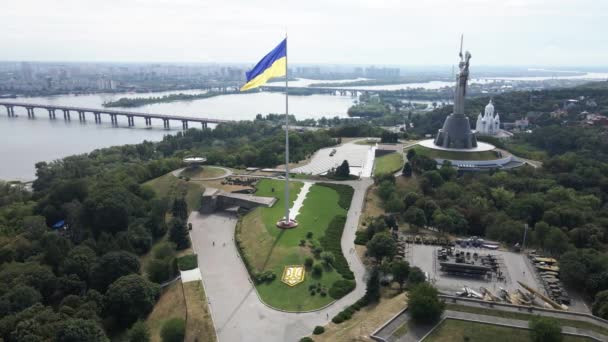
(283,224)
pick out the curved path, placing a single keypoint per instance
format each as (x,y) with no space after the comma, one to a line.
(238,313)
(227,173)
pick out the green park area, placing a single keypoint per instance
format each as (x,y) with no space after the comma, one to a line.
(389,163)
(171,187)
(457,330)
(452,155)
(267,249)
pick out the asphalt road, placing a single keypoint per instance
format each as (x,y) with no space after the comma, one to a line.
(237,312)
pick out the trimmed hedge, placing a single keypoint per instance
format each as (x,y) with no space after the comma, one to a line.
(331,243)
(340,288)
(318,330)
(347,313)
(344,191)
(187,262)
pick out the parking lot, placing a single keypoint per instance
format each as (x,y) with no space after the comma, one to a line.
(514,267)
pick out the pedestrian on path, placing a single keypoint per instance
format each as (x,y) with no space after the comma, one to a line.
(213,243)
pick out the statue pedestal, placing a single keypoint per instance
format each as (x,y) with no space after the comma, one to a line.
(283,224)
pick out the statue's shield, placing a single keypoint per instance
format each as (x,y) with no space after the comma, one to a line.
(293,275)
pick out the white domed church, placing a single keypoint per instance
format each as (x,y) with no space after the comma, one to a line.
(488,123)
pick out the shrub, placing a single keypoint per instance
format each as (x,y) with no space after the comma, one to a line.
(318,330)
(340,288)
(308,262)
(187,262)
(361,237)
(306,339)
(317,251)
(309,235)
(138,332)
(545,329)
(266,276)
(317,270)
(174,330)
(161,270)
(328,258)
(331,243)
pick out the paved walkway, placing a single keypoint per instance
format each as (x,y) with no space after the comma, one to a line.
(299,202)
(238,313)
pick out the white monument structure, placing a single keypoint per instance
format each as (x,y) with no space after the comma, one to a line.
(488,123)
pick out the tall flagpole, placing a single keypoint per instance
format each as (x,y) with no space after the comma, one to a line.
(287,220)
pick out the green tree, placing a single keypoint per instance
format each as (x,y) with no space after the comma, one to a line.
(411,153)
(415,216)
(372,293)
(328,258)
(178,233)
(130,298)
(415,276)
(424,304)
(76,330)
(447,171)
(434,178)
(400,271)
(174,330)
(502,197)
(600,304)
(556,241)
(180,208)
(343,170)
(407,169)
(382,245)
(80,261)
(112,266)
(410,198)
(545,329)
(138,332)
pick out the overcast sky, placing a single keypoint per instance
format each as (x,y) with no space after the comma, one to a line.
(381,32)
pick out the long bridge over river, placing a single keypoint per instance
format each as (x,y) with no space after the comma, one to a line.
(113,114)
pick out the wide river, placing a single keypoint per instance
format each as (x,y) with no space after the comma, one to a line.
(26,141)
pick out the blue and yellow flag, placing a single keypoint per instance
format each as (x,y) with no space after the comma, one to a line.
(274,64)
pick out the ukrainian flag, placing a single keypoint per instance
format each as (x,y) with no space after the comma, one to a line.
(272,65)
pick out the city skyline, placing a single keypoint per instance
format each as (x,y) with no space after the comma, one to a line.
(336,32)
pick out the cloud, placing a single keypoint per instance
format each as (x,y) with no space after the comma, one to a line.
(321,31)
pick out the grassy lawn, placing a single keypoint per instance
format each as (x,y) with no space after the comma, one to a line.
(389,163)
(203,172)
(525,317)
(170,305)
(456,330)
(200,325)
(425,151)
(268,248)
(171,187)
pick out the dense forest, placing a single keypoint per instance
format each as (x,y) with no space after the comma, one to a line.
(83,280)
